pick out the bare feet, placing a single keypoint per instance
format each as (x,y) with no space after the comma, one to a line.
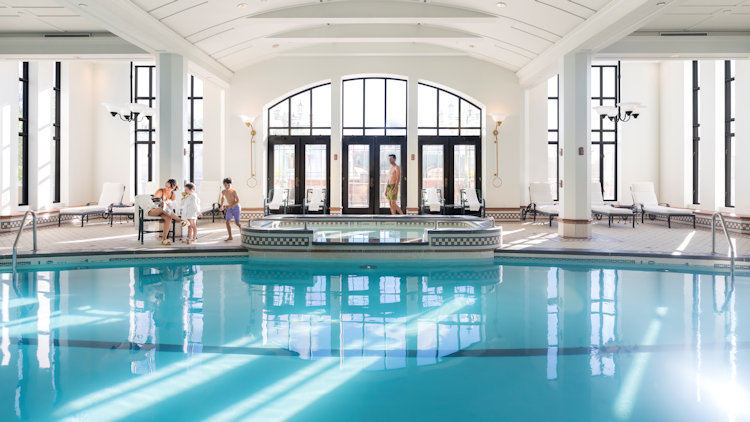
(228,239)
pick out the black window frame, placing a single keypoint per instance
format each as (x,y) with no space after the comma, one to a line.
(601,131)
(729,137)
(364,128)
(459,128)
(57,129)
(192,130)
(150,130)
(696,132)
(275,130)
(23,133)
(556,142)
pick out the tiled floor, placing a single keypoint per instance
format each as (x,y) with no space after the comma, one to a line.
(649,237)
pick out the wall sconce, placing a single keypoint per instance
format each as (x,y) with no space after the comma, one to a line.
(498,118)
(248,121)
(129,112)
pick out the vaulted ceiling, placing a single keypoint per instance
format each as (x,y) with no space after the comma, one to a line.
(224,36)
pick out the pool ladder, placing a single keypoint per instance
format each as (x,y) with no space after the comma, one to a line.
(18,236)
(726,234)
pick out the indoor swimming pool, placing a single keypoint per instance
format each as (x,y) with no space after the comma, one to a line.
(372,340)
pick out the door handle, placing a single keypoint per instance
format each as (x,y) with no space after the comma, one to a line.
(296,181)
(371,182)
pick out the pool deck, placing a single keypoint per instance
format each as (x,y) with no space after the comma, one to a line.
(650,238)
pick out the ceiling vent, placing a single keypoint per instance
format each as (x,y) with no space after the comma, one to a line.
(683,34)
(67,35)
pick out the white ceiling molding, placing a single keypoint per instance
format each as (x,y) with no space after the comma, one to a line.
(137,26)
(693,47)
(81,45)
(372,33)
(390,10)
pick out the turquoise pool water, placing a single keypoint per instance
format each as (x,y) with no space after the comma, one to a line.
(376,341)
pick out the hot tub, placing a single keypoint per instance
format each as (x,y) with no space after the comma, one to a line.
(399,237)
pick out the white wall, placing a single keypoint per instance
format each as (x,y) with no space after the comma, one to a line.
(638,144)
(8,136)
(742,136)
(537,135)
(496,88)
(78,114)
(675,146)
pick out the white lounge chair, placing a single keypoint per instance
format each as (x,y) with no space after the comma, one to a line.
(599,209)
(279,200)
(432,201)
(540,194)
(471,201)
(209,194)
(112,193)
(315,201)
(645,198)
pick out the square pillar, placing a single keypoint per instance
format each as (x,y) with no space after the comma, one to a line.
(171,126)
(8,136)
(574,220)
(41,131)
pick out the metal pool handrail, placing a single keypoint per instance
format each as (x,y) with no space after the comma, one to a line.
(18,236)
(726,234)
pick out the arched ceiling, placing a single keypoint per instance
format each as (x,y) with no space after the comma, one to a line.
(224,36)
(242,32)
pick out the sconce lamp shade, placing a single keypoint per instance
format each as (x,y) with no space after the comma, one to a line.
(498,117)
(248,120)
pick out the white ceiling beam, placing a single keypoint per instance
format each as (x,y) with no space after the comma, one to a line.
(611,23)
(128,21)
(639,46)
(404,33)
(371,10)
(95,44)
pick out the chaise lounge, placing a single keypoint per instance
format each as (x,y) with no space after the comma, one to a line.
(645,198)
(541,202)
(599,209)
(112,194)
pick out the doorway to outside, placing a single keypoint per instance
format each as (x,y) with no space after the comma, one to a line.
(366,171)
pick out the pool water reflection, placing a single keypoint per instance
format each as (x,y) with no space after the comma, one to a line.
(341,341)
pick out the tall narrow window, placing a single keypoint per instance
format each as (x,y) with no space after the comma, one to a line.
(729,171)
(696,135)
(143,93)
(56,135)
(23,133)
(195,129)
(605,90)
(553,133)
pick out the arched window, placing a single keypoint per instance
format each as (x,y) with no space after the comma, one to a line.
(449,144)
(299,129)
(310,112)
(442,113)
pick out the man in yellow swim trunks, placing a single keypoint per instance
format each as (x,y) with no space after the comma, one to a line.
(394,179)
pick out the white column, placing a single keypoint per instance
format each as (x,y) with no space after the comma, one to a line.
(412,148)
(574,220)
(8,136)
(711,119)
(171,72)
(742,136)
(41,165)
(336,193)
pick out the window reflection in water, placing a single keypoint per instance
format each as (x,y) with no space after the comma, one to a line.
(603,320)
(553,319)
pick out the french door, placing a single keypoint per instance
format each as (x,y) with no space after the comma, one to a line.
(299,163)
(450,163)
(365,173)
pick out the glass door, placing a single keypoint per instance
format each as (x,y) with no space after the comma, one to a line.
(298,163)
(449,164)
(367,171)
